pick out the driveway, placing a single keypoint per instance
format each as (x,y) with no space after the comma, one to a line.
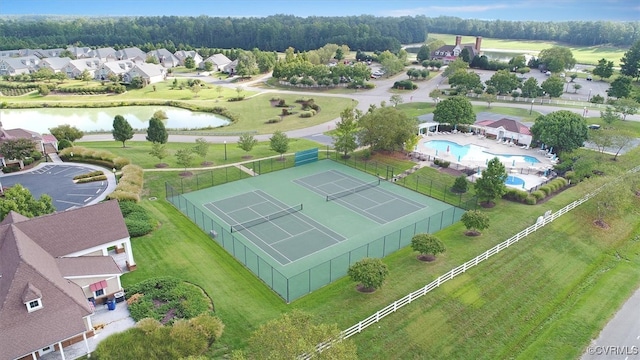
(56,180)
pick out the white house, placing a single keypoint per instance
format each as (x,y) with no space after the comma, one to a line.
(150,73)
(219,61)
(182,55)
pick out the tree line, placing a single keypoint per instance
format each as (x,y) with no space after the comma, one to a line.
(278,32)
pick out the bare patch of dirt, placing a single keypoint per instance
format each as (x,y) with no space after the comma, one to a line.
(487,205)
(186,174)
(247,157)
(472,233)
(366,290)
(426,257)
(451,171)
(206,163)
(161,165)
(168,316)
(601,224)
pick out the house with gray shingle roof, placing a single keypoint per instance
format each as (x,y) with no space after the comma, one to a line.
(75,67)
(219,61)
(150,73)
(56,64)
(182,55)
(132,53)
(104,54)
(19,65)
(79,51)
(118,68)
(164,57)
(54,269)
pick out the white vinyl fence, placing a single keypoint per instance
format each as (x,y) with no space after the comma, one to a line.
(391,308)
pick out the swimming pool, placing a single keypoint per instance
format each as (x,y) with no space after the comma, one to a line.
(472,152)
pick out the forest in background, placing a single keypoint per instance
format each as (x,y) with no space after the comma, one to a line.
(278,32)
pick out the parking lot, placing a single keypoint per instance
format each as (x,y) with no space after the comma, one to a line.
(56,180)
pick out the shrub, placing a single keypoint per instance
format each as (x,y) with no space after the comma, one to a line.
(138,220)
(460,185)
(91,179)
(27,161)
(274,120)
(530,200)
(546,189)
(539,195)
(36,155)
(405,85)
(307,114)
(88,175)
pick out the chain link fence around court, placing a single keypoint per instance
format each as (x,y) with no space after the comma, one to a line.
(300,284)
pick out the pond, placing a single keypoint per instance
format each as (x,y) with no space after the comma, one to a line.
(101,119)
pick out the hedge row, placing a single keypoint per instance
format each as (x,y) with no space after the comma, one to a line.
(534,197)
(88,175)
(102,158)
(91,179)
(130,184)
(138,219)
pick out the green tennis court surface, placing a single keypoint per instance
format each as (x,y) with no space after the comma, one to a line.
(368,199)
(300,228)
(283,232)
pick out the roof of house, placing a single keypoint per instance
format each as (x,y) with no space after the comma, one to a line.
(86,63)
(56,63)
(131,53)
(119,67)
(103,52)
(23,62)
(21,134)
(84,228)
(218,59)
(148,70)
(511,125)
(32,268)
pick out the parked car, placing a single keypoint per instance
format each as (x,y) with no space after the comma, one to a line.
(589,78)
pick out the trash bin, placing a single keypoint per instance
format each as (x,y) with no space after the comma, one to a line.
(119,296)
(111,304)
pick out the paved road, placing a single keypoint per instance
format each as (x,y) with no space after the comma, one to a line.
(620,338)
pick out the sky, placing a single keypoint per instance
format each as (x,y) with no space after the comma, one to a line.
(536,10)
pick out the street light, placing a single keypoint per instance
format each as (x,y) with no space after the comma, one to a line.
(584,111)
(531,109)
(225,150)
(114,175)
(589,97)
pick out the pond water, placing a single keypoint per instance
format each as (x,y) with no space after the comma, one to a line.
(101,119)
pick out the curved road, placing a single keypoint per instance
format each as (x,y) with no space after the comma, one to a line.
(364,99)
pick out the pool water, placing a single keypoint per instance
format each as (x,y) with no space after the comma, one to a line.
(474,152)
(514,180)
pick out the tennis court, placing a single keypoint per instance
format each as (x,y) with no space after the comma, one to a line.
(282,231)
(365,198)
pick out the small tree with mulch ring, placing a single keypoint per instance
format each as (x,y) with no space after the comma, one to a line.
(428,246)
(475,221)
(369,273)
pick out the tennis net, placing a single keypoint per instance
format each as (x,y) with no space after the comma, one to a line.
(264,219)
(354,190)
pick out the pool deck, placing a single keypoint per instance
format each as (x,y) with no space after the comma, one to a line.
(533,175)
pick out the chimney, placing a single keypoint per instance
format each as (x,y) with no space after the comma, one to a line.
(478,43)
(458,40)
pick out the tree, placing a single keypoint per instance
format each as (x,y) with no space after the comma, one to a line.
(553,86)
(429,246)
(339,54)
(557,58)
(491,185)
(609,115)
(201,148)
(19,199)
(66,131)
(464,81)
(189,63)
(630,61)
(246,142)
(460,185)
(159,151)
(530,88)
(620,87)
(156,132)
(562,130)
(576,87)
(208,66)
(184,157)
(247,64)
(435,45)
(456,110)
(626,107)
(621,140)
(17,148)
(455,66)
(604,69)
(369,272)
(386,128)
(195,88)
(345,136)
(475,221)
(517,62)
(396,100)
(504,81)
(85,76)
(423,53)
(219,90)
(296,333)
(465,55)
(279,142)
(435,95)
(122,130)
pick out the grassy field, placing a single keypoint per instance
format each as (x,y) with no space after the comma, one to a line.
(583,54)
(253,112)
(499,309)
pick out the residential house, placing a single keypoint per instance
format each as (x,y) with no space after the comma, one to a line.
(230,68)
(150,73)
(133,54)
(47,53)
(505,129)
(46,144)
(75,67)
(54,269)
(104,54)
(18,66)
(118,68)
(56,64)
(449,53)
(164,57)
(79,52)
(182,55)
(219,61)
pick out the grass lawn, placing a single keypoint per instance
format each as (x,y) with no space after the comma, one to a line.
(415,109)
(582,54)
